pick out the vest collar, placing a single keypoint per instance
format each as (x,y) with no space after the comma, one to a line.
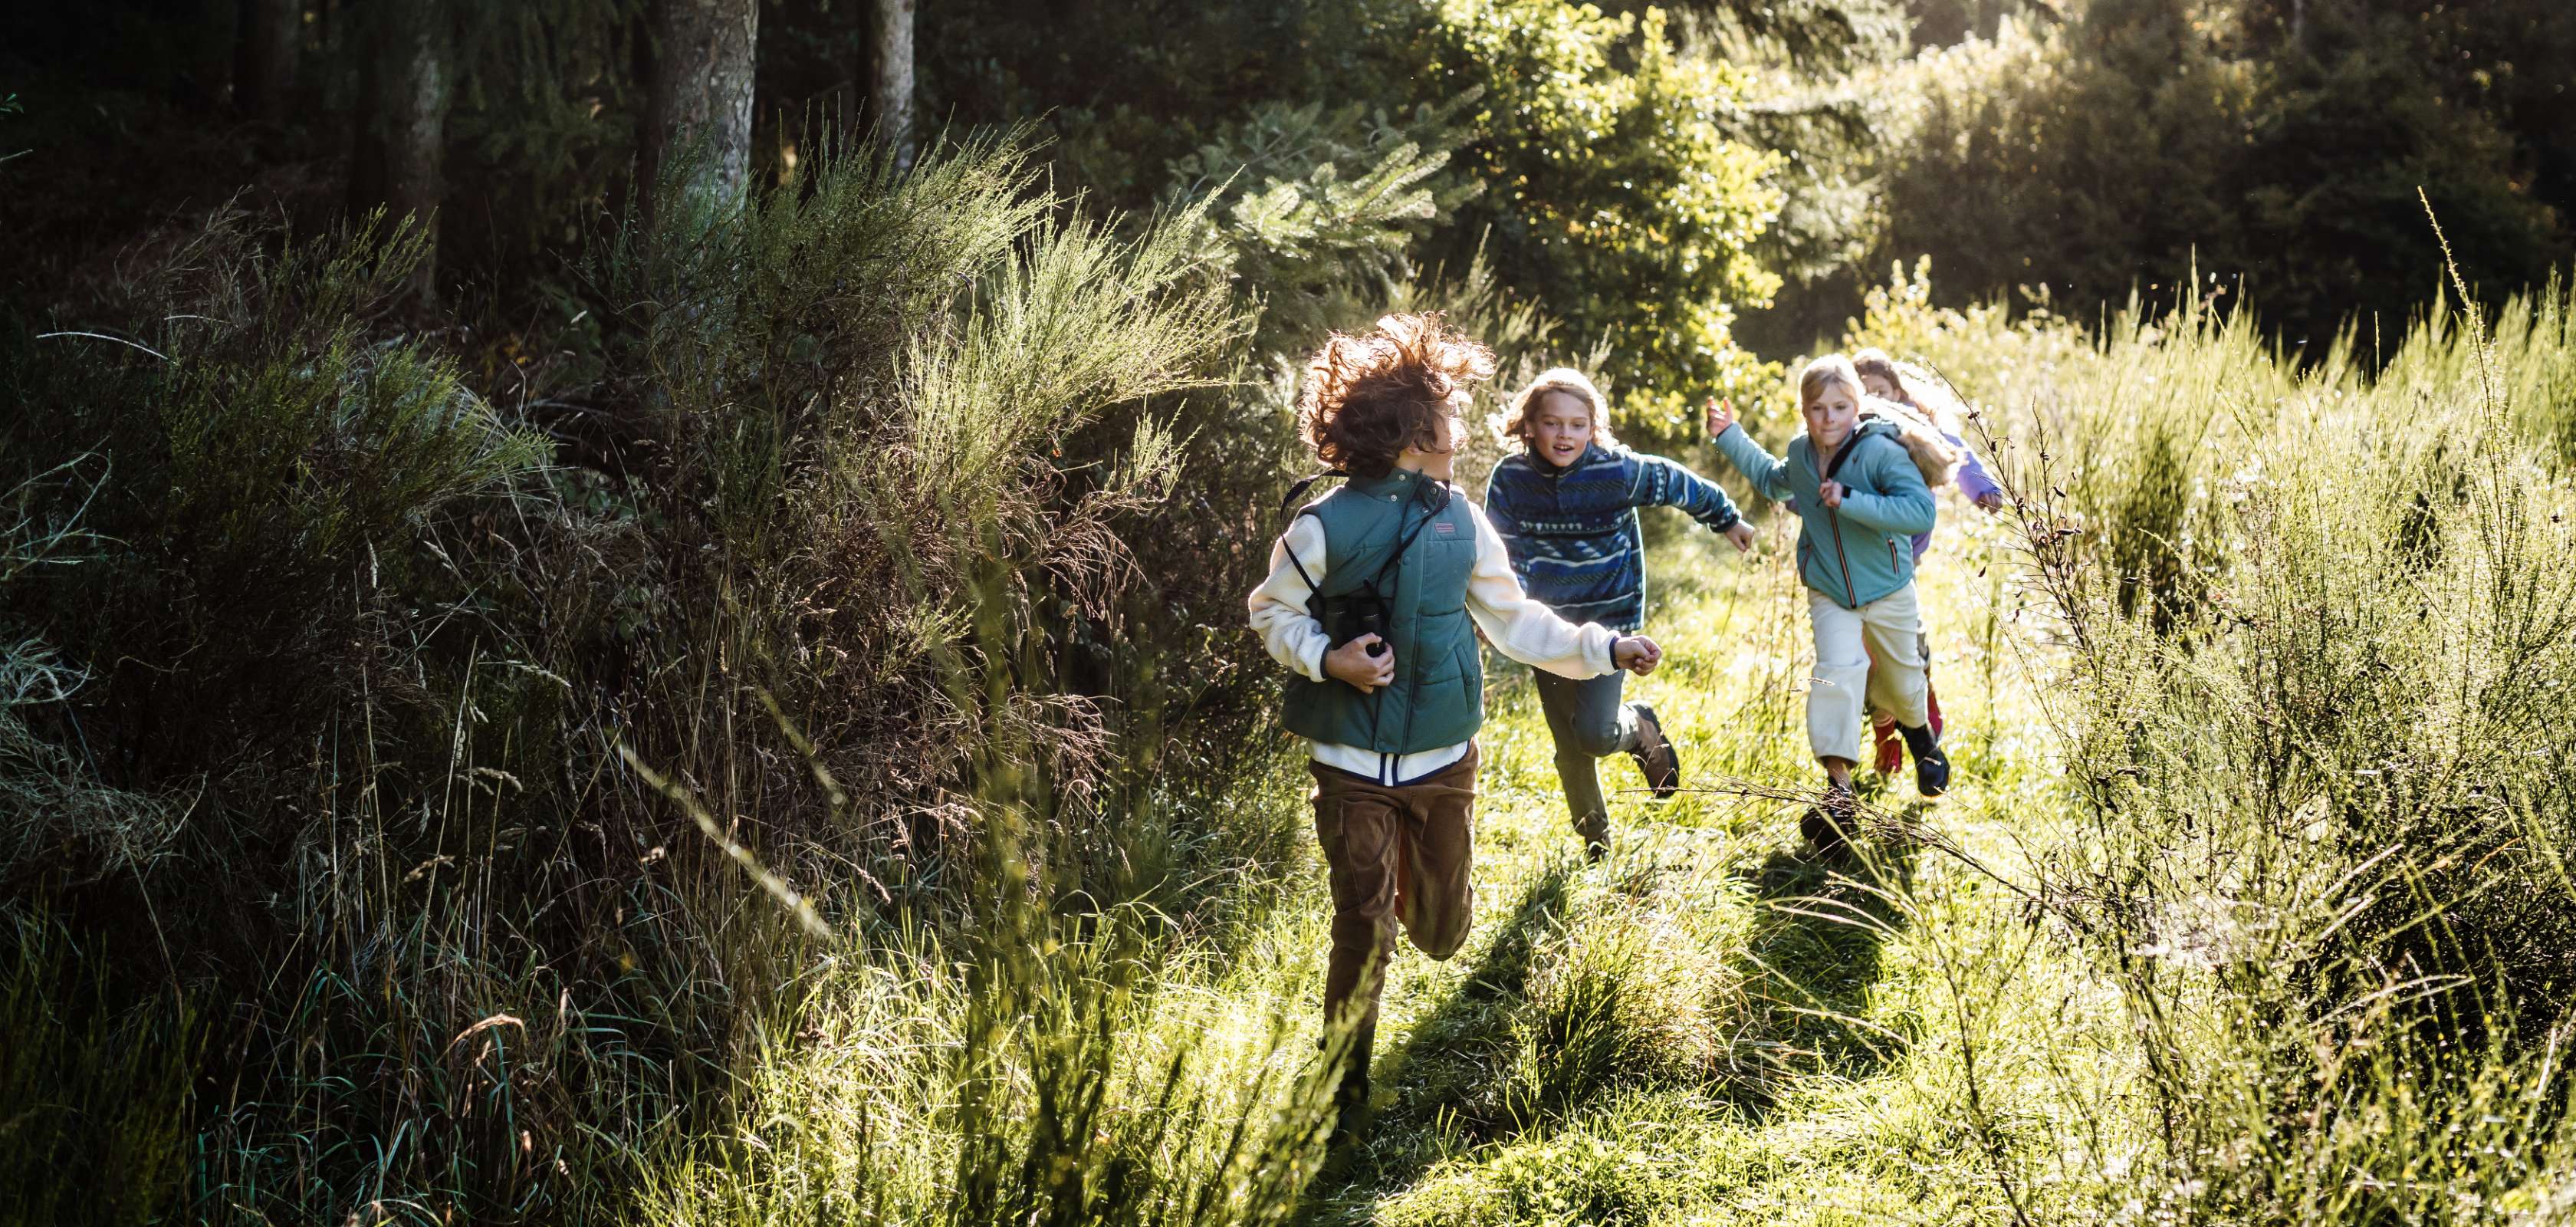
(1396,486)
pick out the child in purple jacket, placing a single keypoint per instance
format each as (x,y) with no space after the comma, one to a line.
(1883,378)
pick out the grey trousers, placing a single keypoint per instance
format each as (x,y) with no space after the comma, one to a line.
(1588,721)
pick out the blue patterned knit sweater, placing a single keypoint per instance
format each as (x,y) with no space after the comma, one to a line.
(1572,532)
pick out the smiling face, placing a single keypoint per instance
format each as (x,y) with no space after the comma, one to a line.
(1560,427)
(1830,414)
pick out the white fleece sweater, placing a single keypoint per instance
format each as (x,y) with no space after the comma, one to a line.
(1517,626)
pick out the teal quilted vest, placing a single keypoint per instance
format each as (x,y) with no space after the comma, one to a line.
(1438,697)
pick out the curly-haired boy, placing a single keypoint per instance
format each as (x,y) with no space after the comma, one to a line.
(1373,601)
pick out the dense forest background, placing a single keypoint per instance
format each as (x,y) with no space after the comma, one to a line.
(528,523)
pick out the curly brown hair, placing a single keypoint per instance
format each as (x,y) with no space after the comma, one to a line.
(1370,397)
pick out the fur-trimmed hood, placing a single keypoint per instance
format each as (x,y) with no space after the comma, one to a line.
(1931,451)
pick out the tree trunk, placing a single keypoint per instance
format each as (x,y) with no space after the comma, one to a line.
(891,93)
(697,139)
(270,33)
(402,129)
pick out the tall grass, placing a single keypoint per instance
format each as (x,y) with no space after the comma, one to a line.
(454,736)
(2318,623)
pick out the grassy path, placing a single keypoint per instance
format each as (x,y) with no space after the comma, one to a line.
(1711,1026)
(1707,1027)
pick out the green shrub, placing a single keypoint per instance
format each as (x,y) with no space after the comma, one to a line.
(1616,198)
(826,506)
(2274,149)
(96,1081)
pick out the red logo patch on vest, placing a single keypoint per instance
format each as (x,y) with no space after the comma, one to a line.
(1444,528)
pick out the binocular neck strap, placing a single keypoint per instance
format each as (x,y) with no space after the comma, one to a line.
(1293,561)
(1312,585)
(1304,482)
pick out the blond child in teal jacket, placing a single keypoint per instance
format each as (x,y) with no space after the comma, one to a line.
(1860,495)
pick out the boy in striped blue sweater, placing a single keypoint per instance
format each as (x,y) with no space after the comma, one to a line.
(1566,508)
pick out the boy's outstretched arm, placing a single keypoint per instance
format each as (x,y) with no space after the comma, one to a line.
(1907,506)
(1530,632)
(1659,481)
(1664,482)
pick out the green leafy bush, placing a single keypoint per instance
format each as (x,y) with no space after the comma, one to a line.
(1617,198)
(2277,150)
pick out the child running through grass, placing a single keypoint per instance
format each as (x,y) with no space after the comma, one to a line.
(1566,506)
(1887,380)
(1373,601)
(1859,491)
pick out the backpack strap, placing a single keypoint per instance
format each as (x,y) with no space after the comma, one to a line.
(1293,560)
(1849,446)
(1308,480)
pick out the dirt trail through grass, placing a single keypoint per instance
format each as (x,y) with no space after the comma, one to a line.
(1713,1026)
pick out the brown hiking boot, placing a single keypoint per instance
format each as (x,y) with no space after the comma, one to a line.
(1655,754)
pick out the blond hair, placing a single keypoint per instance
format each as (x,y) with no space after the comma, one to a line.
(1566,379)
(1825,372)
(1933,455)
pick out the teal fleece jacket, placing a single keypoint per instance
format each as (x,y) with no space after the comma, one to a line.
(1863,550)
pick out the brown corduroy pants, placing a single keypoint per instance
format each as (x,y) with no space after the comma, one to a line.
(1397,855)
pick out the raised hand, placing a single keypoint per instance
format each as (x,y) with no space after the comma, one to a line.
(1354,663)
(1721,414)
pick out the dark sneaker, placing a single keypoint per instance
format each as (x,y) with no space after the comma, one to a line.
(1829,822)
(1655,754)
(1931,766)
(1595,830)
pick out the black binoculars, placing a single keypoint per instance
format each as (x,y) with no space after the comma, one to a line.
(1353,614)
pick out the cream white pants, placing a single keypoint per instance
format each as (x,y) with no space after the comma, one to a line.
(1870,657)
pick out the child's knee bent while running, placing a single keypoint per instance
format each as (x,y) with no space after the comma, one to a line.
(1860,494)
